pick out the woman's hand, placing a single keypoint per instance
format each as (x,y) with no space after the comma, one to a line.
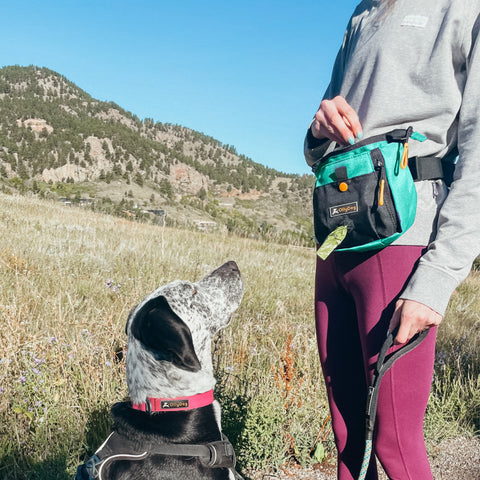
(338,121)
(413,317)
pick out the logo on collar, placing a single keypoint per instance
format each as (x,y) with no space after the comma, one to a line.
(168,404)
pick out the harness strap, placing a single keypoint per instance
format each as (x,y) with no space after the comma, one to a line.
(218,454)
(115,447)
(118,457)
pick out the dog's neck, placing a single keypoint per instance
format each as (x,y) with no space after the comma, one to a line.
(148,377)
(175,404)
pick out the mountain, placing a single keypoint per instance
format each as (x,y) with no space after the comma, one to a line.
(56,141)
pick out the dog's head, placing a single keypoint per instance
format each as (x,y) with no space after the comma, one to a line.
(170,332)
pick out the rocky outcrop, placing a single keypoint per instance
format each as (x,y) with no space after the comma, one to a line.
(65,172)
(37,125)
(114,114)
(78,173)
(187,179)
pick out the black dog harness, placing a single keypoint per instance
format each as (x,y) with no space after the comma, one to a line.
(117,447)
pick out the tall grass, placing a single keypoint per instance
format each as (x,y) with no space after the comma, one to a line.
(68,280)
(454,407)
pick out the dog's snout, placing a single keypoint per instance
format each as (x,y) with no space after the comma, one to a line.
(228,272)
(232,266)
(229,269)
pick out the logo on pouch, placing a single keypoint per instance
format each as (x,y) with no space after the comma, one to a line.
(345,209)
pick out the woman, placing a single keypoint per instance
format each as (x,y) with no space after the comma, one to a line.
(402,63)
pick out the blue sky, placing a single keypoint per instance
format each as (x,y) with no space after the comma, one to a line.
(248,73)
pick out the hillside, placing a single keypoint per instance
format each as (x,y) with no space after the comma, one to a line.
(58,142)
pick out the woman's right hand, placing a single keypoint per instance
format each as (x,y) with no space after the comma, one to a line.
(338,121)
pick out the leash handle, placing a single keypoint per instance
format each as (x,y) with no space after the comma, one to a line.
(384,363)
(384,348)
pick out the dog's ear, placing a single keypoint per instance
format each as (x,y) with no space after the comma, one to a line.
(159,328)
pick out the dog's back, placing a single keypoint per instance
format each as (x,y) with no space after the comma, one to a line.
(149,431)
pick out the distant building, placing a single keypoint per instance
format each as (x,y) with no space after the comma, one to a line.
(83,202)
(206,225)
(129,214)
(159,213)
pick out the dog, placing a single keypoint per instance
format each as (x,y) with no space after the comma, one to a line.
(171,428)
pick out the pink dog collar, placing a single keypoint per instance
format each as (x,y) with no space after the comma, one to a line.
(175,404)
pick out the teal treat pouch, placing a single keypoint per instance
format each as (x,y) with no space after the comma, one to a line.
(364,196)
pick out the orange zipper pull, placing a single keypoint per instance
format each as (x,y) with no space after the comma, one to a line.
(404,162)
(381,192)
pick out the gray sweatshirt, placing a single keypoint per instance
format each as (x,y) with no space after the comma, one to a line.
(419,64)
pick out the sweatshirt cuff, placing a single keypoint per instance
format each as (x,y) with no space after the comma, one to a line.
(431,287)
(314,148)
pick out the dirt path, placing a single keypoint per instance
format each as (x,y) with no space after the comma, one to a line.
(454,459)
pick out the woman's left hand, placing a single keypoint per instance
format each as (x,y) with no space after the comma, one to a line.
(413,317)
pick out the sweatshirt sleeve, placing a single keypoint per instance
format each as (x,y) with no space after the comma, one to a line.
(449,257)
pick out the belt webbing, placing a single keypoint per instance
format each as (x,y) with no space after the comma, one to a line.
(426,168)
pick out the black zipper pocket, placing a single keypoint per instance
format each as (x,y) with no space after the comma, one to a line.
(384,206)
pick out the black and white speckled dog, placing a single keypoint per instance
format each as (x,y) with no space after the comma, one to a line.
(171,429)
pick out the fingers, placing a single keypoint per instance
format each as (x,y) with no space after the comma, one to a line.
(338,121)
(395,321)
(413,317)
(405,333)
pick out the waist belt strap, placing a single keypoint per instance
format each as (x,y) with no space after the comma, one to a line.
(426,168)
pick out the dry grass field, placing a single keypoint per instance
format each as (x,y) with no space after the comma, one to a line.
(68,280)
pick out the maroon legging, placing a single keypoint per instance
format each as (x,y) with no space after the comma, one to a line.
(355,297)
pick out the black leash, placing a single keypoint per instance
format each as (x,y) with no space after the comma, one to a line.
(384,363)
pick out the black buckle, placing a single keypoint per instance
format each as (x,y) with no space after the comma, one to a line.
(399,135)
(88,471)
(222,455)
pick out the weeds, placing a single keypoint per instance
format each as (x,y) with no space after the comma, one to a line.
(289,383)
